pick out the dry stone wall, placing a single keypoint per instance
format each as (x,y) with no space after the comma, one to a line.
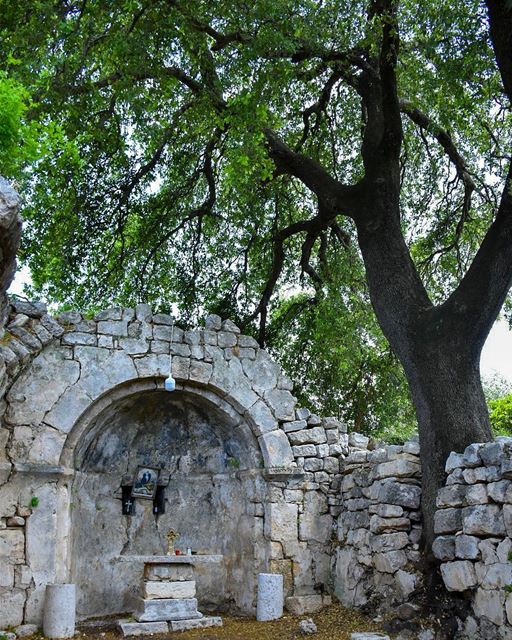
(474,527)
(59,374)
(379,527)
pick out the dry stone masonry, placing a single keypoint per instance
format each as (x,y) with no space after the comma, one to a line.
(379,527)
(245,474)
(474,527)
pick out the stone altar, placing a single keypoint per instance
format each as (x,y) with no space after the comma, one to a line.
(168,601)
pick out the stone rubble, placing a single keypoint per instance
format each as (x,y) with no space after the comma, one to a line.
(474,544)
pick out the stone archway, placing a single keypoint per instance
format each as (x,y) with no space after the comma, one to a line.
(212,472)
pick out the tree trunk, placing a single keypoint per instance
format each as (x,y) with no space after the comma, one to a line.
(451,410)
(435,345)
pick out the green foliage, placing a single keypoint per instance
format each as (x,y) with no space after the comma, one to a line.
(143,188)
(34,502)
(501,415)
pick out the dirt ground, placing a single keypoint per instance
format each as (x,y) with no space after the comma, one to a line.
(334,623)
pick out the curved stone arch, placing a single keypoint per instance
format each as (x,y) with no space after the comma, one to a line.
(61,368)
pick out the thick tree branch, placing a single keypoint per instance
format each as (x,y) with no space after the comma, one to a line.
(500,19)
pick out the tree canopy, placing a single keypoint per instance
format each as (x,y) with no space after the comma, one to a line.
(266,161)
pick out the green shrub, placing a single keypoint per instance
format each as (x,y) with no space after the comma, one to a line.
(500,413)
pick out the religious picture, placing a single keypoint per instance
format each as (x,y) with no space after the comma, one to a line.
(145,483)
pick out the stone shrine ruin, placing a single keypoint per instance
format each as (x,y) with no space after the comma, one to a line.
(246,478)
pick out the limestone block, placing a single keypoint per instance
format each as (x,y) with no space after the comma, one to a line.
(30,340)
(242,397)
(459,575)
(6,574)
(358,440)
(488,551)
(11,608)
(248,342)
(12,546)
(471,456)
(103,369)
(270,596)
(481,474)
(79,338)
(52,326)
(276,449)
(491,453)
(282,404)
(43,334)
(195,623)
(406,582)
(68,408)
(476,494)
(489,604)
(166,609)
(315,527)
(117,328)
(368,635)
(497,491)
(142,628)
(454,461)
(451,496)
(503,550)
(280,522)
(152,365)
(143,312)
(163,318)
(387,510)
(174,572)
(299,605)
(305,451)
(166,589)
(133,345)
(296,425)
(398,468)
(448,521)
(389,542)
(508,608)
(390,561)
(312,464)
(443,548)
(315,435)
(112,313)
(507,517)
(25,630)
(384,525)
(59,611)
(497,576)
(178,349)
(466,547)
(483,520)
(38,388)
(263,420)
(456,477)
(200,371)
(404,495)
(314,420)
(226,339)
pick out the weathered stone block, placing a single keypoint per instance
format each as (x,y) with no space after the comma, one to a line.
(282,404)
(483,520)
(448,521)
(389,562)
(299,605)
(454,461)
(167,609)
(276,449)
(384,525)
(451,496)
(174,572)
(497,491)
(114,327)
(197,623)
(12,546)
(11,608)
(280,522)
(398,468)
(459,575)
(316,435)
(466,547)
(142,628)
(166,589)
(296,425)
(389,542)
(489,604)
(404,495)
(270,596)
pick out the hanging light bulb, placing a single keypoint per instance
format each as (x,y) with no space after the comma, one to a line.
(170,382)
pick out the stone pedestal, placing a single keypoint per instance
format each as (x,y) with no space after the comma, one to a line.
(270,596)
(59,611)
(168,596)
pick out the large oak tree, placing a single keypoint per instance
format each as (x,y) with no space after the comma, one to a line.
(218,149)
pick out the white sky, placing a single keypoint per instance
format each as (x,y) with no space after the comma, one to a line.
(496,354)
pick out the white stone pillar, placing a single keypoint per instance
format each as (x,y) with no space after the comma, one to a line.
(59,611)
(270,596)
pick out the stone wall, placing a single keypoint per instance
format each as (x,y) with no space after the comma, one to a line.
(474,527)
(379,527)
(62,377)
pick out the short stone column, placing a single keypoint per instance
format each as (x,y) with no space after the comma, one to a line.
(59,611)
(270,596)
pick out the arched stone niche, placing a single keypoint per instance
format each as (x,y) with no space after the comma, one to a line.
(211,469)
